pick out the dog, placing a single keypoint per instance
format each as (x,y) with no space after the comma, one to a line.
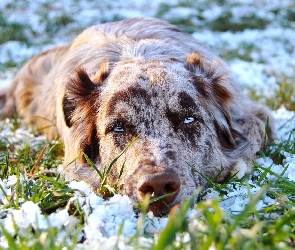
(142,77)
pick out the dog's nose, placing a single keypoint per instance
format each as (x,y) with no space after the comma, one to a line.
(160,184)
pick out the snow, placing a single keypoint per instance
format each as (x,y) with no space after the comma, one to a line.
(260,59)
(15,51)
(30,216)
(107,217)
(19,137)
(104,217)
(6,185)
(213,13)
(263,66)
(285,121)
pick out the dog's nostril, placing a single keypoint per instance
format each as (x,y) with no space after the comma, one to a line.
(171,187)
(147,189)
(158,185)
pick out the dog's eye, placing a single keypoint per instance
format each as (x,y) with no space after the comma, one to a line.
(118,129)
(188,120)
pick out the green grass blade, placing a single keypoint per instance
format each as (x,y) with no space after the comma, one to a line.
(176,224)
(93,166)
(108,169)
(10,239)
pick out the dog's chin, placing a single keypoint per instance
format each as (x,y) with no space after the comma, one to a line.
(159,210)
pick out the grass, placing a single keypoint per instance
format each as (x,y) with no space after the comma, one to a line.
(271,227)
(227,20)
(107,190)
(12,31)
(284,95)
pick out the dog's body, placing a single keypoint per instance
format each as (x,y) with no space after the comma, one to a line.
(141,77)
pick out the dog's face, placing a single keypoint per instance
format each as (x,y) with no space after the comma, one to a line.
(179,110)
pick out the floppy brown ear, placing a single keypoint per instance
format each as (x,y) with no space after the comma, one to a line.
(79,90)
(213,83)
(80,105)
(102,74)
(211,77)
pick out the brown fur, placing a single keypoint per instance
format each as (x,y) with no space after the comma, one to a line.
(141,77)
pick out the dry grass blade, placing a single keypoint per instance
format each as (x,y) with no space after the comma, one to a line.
(35,168)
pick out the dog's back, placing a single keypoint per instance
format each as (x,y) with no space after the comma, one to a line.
(27,87)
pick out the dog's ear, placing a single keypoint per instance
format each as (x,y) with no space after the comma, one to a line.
(215,87)
(82,92)
(210,77)
(68,106)
(77,96)
(80,106)
(102,74)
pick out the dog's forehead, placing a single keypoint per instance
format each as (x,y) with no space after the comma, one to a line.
(165,77)
(148,92)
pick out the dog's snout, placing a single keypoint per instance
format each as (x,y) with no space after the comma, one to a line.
(159,184)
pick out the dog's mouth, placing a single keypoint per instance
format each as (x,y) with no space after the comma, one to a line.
(159,207)
(159,210)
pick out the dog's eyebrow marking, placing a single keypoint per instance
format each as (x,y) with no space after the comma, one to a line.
(187,108)
(186,101)
(128,96)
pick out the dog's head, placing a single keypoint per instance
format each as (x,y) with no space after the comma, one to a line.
(181,111)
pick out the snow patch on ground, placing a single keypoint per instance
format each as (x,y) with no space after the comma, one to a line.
(104,218)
